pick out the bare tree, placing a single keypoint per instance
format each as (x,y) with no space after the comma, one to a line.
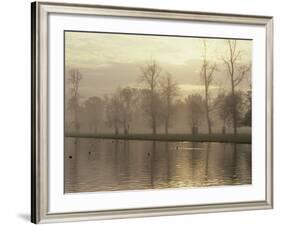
(207,76)
(236,74)
(224,106)
(195,111)
(113,112)
(223,110)
(94,109)
(158,107)
(169,90)
(74,79)
(127,103)
(150,77)
(248,114)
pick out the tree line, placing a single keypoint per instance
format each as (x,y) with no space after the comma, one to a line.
(159,99)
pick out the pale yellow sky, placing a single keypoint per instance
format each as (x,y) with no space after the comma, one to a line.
(104,57)
(98,49)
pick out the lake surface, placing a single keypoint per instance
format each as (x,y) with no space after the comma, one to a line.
(108,165)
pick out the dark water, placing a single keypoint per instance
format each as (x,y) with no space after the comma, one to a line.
(106,165)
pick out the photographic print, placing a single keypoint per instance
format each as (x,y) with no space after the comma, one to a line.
(151,111)
(140,112)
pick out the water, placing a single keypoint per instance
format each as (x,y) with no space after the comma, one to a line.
(108,165)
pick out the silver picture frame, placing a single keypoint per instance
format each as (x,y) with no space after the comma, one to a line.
(39,142)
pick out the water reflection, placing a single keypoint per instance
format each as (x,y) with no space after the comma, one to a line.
(105,165)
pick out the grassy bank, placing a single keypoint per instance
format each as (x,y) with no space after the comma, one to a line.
(227,138)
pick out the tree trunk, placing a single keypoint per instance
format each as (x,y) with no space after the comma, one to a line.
(207,106)
(153,126)
(124,128)
(153,111)
(209,124)
(116,130)
(223,130)
(234,108)
(127,129)
(194,130)
(76,141)
(166,126)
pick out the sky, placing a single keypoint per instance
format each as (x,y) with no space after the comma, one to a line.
(108,61)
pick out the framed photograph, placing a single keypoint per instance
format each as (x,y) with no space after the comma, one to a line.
(147,112)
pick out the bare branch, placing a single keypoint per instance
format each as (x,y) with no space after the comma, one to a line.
(242,70)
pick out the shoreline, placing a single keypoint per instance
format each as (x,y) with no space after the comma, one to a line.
(227,138)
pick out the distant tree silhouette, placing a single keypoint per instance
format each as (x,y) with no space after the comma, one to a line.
(223,110)
(224,106)
(113,113)
(207,72)
(150,78)
(94,110)
(128,99)
(169,90)
(158,108)
(236,72)
(248,114)
(74,79)
(195,111)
